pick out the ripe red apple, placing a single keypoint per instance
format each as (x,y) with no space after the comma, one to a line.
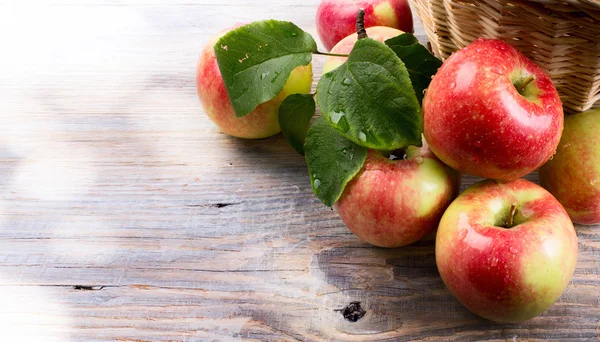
(393,203)
(263,121)
(344,46)
(336,19)
(573,175)
(506,250)
(492,113)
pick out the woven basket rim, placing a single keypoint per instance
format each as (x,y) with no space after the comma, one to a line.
(591,3)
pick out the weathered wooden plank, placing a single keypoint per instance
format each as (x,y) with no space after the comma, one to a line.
(126,215)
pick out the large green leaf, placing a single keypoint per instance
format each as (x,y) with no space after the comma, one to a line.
(256,60)
(421,63)
(370,99)
(295,113)
(332,161)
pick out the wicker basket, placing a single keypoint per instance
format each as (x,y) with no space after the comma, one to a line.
(561,36)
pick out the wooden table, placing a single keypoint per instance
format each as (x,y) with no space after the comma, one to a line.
(126,215)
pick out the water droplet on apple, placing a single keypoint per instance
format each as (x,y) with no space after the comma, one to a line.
(507,278)
(462,234)
(494,262)
(513,250)
(347,81)
(452,85)
(316,183)
(593,182)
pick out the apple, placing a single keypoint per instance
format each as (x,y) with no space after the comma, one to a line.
(263,121)
(491,112)
(573,174)
(344,46)
(336,19)
(393,203)
(506,250)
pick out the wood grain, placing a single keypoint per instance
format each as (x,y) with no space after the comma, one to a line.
(126,215)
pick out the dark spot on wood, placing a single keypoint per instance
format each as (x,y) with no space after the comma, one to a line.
(223,205)
(87,288)
(353,312)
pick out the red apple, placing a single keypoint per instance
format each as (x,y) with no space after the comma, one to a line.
(379,33)
(483,117)
(263,121)
(393,203)
(506,250)
(336,19)
(573,174)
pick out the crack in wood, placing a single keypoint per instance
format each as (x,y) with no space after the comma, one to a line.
(212,205)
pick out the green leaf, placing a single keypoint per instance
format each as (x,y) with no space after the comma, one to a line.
(295,113)
(421,63)
(256,61)
(332,161)
(370,99)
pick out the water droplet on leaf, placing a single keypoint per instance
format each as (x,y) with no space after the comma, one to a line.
(264,75)
(362,136)
(336,117)
(347,81)
(316,184)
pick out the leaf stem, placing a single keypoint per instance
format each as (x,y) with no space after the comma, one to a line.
(360,25)
(525,84)
(329,54)
(511,216)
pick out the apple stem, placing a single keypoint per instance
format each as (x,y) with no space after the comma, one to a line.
(330,54)
(360,24)
(511,216)
(526,83)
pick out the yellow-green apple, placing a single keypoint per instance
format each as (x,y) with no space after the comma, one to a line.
(336,19)
(393,203)
(344,46)
(573,175)
(263,121)
(506,250)
(491,112)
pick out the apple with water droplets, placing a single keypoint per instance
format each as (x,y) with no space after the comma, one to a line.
(573,175)
(263,121)
(336,19)
(393,203)
(491,112)
(506,250)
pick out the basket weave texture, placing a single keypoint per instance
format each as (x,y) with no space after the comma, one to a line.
(561,36)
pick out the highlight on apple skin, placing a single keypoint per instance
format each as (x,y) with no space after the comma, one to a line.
(491,112)
(393,203)
(573,174)
(506,250)
(263,121)
(336,19)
